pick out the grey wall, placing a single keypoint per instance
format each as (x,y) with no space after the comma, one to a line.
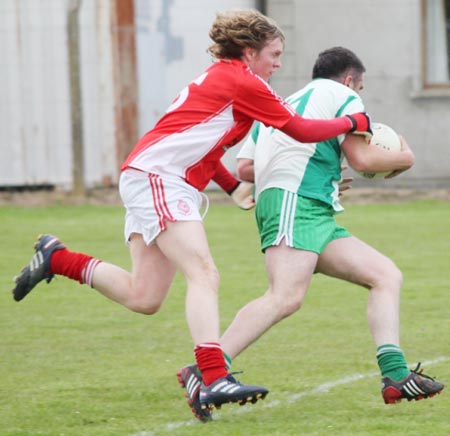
(386,35)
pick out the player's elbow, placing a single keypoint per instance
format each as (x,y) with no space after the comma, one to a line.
(245,170)
(360,163)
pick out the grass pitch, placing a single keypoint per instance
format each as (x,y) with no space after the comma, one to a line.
(75,364)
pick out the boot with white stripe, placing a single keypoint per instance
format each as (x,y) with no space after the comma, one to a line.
(416,386)
(39,267)
(229,390)
(190,378)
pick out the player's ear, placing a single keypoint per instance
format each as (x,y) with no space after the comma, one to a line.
(348,80)
(248,54)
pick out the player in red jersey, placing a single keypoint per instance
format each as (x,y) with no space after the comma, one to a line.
(160,187)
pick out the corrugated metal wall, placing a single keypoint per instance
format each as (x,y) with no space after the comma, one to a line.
(34,102)
(35,107)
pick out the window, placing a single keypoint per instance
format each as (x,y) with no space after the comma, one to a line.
(436,43)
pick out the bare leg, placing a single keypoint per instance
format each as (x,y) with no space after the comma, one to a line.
(289,271)
(353,260)
(186,244)
(145,288)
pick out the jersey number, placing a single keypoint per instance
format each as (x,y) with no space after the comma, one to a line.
(183,95)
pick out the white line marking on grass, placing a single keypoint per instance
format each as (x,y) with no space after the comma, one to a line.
(326,387)
(290,399)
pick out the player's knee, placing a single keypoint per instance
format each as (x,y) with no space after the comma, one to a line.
(398,277)
(286,305)
(206,280)
(144,301)
(145,307)
(214,278)
(391,277)
(210,277)
(291,306)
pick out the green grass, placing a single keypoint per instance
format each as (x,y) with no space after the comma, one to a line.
(75,364)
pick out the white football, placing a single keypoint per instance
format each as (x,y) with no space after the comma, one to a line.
(384,137)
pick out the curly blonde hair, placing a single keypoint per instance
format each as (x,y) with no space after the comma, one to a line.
(234,30)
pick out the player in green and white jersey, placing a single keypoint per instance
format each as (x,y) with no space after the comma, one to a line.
(312,170)
(297,197)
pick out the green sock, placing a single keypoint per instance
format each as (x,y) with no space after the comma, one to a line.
(228,360)
(392,362)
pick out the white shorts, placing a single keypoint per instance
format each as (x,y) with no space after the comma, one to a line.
(151,200)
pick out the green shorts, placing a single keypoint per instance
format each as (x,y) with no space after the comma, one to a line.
(303,223)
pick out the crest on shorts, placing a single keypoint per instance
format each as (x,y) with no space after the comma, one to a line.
(183,207)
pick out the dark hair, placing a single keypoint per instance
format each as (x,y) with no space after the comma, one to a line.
(234,30)
(337,62)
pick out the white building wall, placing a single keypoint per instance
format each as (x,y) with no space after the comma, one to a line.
(34,102)
(35,110)
(97,88)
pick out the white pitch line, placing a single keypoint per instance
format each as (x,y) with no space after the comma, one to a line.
(290,399)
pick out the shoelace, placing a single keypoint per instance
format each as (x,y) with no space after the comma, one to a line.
(419,371)
(230,377)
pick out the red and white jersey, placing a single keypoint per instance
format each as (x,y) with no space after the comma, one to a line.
(210,115)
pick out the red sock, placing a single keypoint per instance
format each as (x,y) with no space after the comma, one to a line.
(210,361)
(76,266)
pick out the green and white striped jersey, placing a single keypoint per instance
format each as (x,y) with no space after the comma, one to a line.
(312,170)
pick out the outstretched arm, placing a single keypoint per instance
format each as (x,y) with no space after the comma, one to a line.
(308,130)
